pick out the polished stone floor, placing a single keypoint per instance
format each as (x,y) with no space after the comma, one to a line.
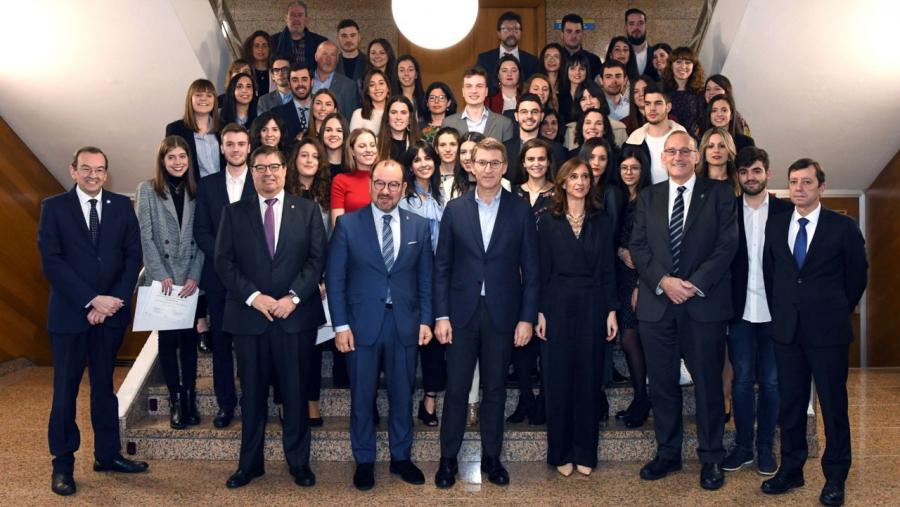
(25,467)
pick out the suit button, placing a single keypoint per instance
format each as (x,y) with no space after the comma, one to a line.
(167,256)
(389,276)
(799,281)
(166,242)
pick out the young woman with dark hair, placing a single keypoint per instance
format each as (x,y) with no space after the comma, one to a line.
(721,113)
(266,131)
(509,79)
(240,101)
(717,84)
(324,102)
(441,104)
(660,60)
(683,80)
(577,70)
(380,56)
(199,127)
(256,51)
(331,135)
(399,128)
(551,128)
(553,60)
(593,123)
(539,84)
(635,118)
(619,49)
(408,82)
(376,91)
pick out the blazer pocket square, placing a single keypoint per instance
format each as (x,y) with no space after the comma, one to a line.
(412,242)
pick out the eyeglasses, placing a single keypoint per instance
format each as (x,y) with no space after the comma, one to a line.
(281,70)
(482,164)
(507,29)
(437,98)
(273,168)
(684,152)
(88,171)
(393,186)
(532,112)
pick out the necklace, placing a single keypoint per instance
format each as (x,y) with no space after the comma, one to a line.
(576,222)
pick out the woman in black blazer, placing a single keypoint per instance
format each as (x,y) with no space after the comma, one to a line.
(577,315)
(200,122)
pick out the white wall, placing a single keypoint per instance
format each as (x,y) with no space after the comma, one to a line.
(110,73)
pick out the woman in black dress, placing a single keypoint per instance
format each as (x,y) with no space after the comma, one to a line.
(631,176)
(577,315)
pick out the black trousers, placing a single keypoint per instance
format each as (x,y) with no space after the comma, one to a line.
(797,364)
(524,361)
(286,356)
(178,358)
(479,340)
(702,345)
(434,367)
(96,348)
(223,358)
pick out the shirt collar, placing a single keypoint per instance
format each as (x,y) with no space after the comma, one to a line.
(764,203)
(494,201)
(379,214)
(298,104)
(240,179)
(279,196)
(813,217)
(465,114)
(689,184)
(83,197)
(514,52)
(323,81)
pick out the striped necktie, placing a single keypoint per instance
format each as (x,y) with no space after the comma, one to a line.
(387,248)
(676,229)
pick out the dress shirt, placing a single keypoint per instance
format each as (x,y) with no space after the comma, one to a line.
(298,106)
(620,110)
(686,196)
(427,208)
(756,309)
(207,153)
(235,186)
(504,52)
(487,216)
(85,201)
(286,97)
(318,84)
(472,125)
(813,218)
(378,215)
(276,209)
(641,57)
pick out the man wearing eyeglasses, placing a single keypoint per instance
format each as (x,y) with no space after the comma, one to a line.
(280,68)
(270,253)
(485,299)
(509,32)
(379,290)
(684,238)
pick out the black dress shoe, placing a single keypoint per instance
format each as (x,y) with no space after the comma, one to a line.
(304,476)
(781,483)
(122,465)
(711,476)
(62,484)
(203,342)
(176,412)
(832,493)
(407,471)
(364,477)
(241,478)
(316,422)
(446,473)
(638,414)
(494,470)
(521,412)
(191,414)
(659,468)
(223,418)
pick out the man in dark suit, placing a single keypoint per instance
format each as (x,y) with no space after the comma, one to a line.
(529,115)
(682,244)
(325,76)
(509,31)
(380,300)
(90,247)
(475,116)
(815,270)
(296,114)
(280,67)
(750,344)
(571,34)
(296,39)
(485,298)
(270,253)
(217,191)
(351,62)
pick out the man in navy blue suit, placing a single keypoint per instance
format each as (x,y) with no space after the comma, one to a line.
(379,292)
(485,299)
(91,253)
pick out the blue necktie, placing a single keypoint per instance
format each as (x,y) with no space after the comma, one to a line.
(387,248)
(94,219)
(800,243)
(676,228)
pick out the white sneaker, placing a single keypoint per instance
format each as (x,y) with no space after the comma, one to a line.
(685,379)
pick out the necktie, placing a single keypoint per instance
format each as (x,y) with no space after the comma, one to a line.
(676,228)
(94,221)
(800,243)
(387,248)
(303,114)
(269,225)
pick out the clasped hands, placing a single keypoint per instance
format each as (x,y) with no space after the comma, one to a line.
(271,307)
(676,289)
(103,307)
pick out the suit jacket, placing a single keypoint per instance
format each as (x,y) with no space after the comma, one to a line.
(283,46)
(514,149)
(490,62)
(169,247)
(212,198)
(244,265)
(358,280)
(291,119)
(498,126)
(508,266)
(178,128)
(77,270)
(740,267)
(709,243)
(347,93)
(814,303)
(268,102)
(358,72)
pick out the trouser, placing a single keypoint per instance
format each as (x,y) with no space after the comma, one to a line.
(178,358)
(752,353)
(222,355)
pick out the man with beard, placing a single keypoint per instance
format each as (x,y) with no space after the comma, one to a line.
(349,62)
(509,31)
(296,39)
(214,193)
(529,116)
(750,344)
(636,30)
(280,68)
(295,114)
(651,136)
(612,81)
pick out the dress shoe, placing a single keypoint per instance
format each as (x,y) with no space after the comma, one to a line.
(191,414)
(584,470)
(521,412)
(781,483)
(446,473)
(832,493)
(223,418)
(659,468)
(737,459)
(176,412)
(494,470)
(428,418)
(304,476)
(638,414)
(538,414)
(203,342)
(62,484)
(122,465)
(316,422)
(565,470)
(711,476)
(364,476)
(766,464)
(241,478)
(472,415)
(407,471)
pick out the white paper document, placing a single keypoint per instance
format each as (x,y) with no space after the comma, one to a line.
(326,331)
(157,312)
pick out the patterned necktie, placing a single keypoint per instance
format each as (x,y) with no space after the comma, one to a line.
(94,222)
(303,111)
(387,248)
(800,243)
(676,228)
(269,225)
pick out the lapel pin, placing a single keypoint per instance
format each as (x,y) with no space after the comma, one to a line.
(292,206)
(108,201)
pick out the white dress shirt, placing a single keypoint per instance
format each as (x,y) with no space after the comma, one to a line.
(471,124)
(276,209)
(756,309)
(673,193)
(85,200)
(235,186)
(794,228)
(395,227)
(514,52)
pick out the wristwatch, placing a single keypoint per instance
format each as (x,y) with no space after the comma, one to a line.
(295,298)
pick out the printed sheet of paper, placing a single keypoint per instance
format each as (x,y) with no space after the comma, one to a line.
(157,312)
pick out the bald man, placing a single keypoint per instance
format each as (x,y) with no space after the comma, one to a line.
(341,86)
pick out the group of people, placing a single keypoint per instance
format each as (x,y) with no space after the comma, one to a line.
(531,224)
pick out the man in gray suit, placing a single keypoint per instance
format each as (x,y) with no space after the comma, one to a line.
(475,117)
(279,67)
(325,77)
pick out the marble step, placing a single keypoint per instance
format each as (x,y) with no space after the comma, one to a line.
(335,402)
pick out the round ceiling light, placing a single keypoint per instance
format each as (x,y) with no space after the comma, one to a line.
(434,24)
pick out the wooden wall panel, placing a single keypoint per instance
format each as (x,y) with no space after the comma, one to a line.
(883,247)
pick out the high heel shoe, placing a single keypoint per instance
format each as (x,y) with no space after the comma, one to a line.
(428,418)
(639,414)
(189,401)
(565,470)
(583,470)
